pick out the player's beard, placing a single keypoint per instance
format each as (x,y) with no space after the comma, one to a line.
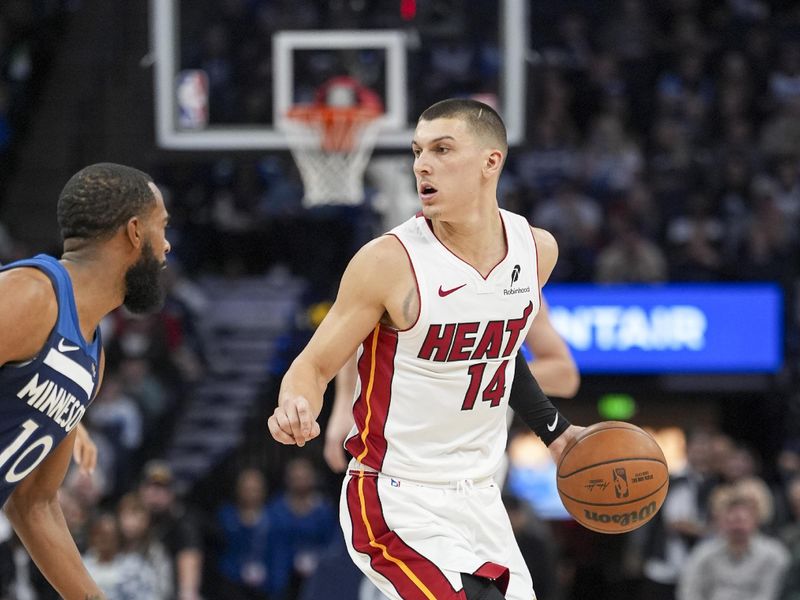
(144,291)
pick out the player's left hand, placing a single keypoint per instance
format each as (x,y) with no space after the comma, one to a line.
(556,448)
(84,452)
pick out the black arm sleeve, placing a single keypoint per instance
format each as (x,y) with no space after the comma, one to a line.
(533,407)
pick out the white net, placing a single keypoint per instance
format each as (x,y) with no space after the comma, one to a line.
(332,149)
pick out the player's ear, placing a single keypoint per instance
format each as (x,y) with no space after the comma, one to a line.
(134,231)
(493,163)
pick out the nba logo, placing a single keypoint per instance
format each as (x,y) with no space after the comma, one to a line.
(620,482)
(191,91)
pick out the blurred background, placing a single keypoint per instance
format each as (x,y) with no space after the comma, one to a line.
(658,141)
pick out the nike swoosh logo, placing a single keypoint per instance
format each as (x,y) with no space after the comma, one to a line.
(552,426)
(443,293)
(62,347)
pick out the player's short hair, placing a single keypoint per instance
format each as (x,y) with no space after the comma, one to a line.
(481,118)
(100,198)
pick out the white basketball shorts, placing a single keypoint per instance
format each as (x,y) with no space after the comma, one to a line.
(413,540)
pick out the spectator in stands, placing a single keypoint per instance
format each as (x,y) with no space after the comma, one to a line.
(575,220)
(790,535)
(739,563)
(630,257)
(302,523)
(780,135)
(121,576)
(733,199)
(736,96)
(640,204)
(148,392)
(612,160)
(671,164)
(175,527)
(77,517)
(552,158)
(786,178)
(667,540)
(244,528)
(137,539)
(742,466)
(119,420)
(768,251)
(784,82)
(696,239)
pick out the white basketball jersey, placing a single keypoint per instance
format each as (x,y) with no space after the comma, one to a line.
(431,400)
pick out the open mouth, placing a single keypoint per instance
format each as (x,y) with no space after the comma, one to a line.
(426,191)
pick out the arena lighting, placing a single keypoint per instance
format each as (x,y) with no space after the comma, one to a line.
(616,407)
(408,9)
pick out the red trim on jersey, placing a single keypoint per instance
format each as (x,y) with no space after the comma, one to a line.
(416,282)
(498,574)
(371,408)
(505,237)
(536,253)
(412,575)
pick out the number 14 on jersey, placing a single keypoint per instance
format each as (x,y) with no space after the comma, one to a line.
(494,390)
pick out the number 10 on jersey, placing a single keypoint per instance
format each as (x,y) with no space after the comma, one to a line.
(44,444)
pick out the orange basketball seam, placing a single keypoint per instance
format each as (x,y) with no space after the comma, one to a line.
(574,443)
(608,462)
(628,501)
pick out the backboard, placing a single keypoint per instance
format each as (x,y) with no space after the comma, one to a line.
(226,72)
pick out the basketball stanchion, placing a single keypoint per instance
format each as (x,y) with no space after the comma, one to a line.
(332,146)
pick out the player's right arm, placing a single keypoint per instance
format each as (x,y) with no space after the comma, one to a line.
(28,312)
(374,286)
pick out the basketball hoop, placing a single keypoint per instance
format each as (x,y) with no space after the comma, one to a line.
(331,146)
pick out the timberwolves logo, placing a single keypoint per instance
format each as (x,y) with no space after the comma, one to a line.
(511,290)
(620,482)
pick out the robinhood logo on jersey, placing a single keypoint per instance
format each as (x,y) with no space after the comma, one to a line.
(510,291)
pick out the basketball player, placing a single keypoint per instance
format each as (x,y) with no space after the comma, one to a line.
(442,305)
(112,219)
(553,367)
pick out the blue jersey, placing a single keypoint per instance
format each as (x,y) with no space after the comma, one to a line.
(43,399)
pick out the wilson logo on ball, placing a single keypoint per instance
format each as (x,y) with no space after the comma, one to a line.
(622,519)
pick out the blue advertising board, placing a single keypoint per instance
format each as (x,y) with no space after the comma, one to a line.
(670,328)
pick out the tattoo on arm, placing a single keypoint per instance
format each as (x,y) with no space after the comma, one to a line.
(408,306)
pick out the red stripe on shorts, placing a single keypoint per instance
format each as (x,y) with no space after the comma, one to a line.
(412,575)
(371,408)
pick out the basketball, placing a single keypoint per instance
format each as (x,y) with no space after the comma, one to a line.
(613,477)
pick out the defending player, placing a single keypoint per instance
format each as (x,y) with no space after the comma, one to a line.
(113,221)
(442,305)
